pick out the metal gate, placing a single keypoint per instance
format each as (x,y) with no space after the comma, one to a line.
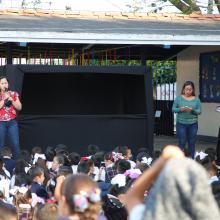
(164,75)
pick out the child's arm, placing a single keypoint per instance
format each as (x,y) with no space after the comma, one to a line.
(57,192)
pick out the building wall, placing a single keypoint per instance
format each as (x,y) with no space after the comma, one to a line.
(188,69)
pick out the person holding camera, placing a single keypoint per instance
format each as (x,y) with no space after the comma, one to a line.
(9,105)
(188,107)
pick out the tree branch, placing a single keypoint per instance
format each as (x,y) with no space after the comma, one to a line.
(217,2)
(187,6)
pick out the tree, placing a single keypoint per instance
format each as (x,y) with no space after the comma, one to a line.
(32,4)
(217,2)
(185,6)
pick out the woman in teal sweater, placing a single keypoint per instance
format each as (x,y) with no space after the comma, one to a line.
(188,107)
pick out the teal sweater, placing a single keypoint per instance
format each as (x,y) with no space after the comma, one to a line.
(187,117)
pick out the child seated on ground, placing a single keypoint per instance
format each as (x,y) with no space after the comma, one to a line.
(37,187)
(74,161)
(122,167)
(126,153)
(22,201)
(6,154)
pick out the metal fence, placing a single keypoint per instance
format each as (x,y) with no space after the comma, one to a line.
(164,95)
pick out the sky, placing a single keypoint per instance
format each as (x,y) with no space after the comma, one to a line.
(98,5)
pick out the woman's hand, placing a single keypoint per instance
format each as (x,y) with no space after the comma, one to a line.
(185,109)
(7,96)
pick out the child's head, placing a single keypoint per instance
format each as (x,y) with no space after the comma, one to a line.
(25,155)
(64,171)
(116,190)
(121,149)
(122,166)
(7,211)
(108,159)
(92,149)
(20,166)
(74,158)
(98,158)
(140,156)
(41,163)
(48,211)
(128,154)
(1,163)
(209,164)
(36,150)
(50,153)
(6,151)
(37,175)
(61,149)
(22,196)
(86,167)
(80,196)
(57,162)
(113,208)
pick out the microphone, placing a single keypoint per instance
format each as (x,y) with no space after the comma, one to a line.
(7,102)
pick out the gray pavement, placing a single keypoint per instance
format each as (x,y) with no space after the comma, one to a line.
(201,144)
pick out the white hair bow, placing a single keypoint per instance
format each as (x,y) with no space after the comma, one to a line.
(148,160)
(201,155)
(17,189)
(36,156)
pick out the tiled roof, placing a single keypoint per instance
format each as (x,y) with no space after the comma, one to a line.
(108,27)
(112,15)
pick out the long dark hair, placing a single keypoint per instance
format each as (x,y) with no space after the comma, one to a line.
(4,77)
(188,83)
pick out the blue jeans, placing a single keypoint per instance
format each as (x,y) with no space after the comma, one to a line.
(10,129)
(187,133)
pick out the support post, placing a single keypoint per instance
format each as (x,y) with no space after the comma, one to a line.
(9,53)
(148,79)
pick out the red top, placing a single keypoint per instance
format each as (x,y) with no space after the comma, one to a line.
(8,113)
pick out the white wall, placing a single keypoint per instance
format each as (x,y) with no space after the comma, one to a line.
(188,69)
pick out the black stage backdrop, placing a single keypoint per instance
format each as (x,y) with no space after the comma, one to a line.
(77,106)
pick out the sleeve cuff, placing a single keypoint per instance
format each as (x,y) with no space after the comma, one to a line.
(137,212)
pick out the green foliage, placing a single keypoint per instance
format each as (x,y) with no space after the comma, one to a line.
(163,71)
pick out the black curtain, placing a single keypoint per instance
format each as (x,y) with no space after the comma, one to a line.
(78,106)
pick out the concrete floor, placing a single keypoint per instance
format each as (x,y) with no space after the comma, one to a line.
(201,144)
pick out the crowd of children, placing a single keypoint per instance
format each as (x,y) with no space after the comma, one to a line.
(58,184)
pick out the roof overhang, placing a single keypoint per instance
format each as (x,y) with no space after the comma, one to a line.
(108,38)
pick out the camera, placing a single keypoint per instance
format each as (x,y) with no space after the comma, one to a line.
(7,103)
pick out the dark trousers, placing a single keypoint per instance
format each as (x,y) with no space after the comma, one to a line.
(187,133)
(10,129)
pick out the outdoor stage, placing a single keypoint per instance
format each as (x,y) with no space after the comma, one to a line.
(77,106)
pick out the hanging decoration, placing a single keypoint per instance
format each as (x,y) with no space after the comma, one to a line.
(29,55)
(73,57)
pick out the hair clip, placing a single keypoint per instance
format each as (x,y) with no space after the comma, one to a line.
(85,158)
(81,200)
(95,195)
(80,203)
